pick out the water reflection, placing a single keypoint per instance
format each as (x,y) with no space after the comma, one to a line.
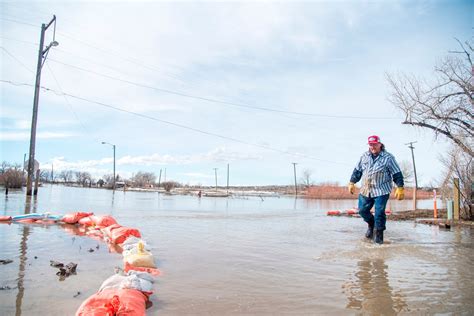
(21,270)
(371,293)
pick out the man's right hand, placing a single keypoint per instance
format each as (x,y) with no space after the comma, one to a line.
(351,187)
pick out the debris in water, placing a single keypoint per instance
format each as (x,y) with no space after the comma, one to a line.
(5,287)
(90,250)
(77,294)
(5,261)
(64,270)
(56,264)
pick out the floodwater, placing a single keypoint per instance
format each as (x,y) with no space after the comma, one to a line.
(233,256)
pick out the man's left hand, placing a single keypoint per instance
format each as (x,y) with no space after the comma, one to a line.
(400,193)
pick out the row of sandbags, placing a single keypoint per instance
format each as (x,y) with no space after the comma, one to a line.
(126,293)
(120,294)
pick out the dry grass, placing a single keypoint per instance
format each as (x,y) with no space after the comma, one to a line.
(337,192)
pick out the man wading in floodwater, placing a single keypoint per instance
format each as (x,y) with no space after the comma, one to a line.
(377,168)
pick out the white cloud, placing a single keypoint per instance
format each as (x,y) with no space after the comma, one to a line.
(220,154)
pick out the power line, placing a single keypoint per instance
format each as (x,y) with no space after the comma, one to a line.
(17,60)
(193,96)
(19,22)
(214,100)
(176,124)
(68,103)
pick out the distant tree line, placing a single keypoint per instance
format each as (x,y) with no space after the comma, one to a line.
(14,176)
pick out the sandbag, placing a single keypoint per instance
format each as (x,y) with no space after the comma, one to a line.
(130,245)
(141,281)
(153,271)
(73,218)
(114,302)
(103,221)
(120,234)
(86,221)
(140,258)
(5,218)
(108,230)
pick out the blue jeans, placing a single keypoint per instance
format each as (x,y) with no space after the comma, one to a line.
(365,205)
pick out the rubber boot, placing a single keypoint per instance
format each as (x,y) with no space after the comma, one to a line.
(370,231)
(379,236)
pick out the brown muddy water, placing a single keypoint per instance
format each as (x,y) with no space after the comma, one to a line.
(233,256)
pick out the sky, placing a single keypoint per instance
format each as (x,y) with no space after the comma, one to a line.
(190,86)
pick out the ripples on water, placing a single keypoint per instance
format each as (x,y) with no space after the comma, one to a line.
(238,256)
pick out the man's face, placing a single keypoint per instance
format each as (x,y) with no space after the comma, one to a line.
(375,148)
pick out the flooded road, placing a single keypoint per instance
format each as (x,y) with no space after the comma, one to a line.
(224,256)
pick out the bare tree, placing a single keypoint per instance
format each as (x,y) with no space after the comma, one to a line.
(66,176)
(444,106)
(142,179)
(306,178)
(83,178)
(11,176)
(45,175)
(459,164)
(407,171)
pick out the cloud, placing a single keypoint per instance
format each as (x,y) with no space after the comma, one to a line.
(220,154)
(215,155)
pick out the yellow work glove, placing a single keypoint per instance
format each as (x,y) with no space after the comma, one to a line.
(400,193)
(351,187)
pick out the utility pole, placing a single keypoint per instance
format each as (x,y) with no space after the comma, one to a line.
(114,168)
(227,178)
(159,179)
(42,54)
(113,146)
(165,174)
(294,172)
(24,162)
(414,171)
(215,172)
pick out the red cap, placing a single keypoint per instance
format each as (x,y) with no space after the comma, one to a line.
(374,139)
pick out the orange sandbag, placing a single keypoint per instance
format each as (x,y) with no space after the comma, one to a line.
(352,211)
(5,218)
(108,230)
(333,212)
(73,218)
(114,302)
(120,234)
(86,221)
(27,220)
(103,221)
(152,271)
